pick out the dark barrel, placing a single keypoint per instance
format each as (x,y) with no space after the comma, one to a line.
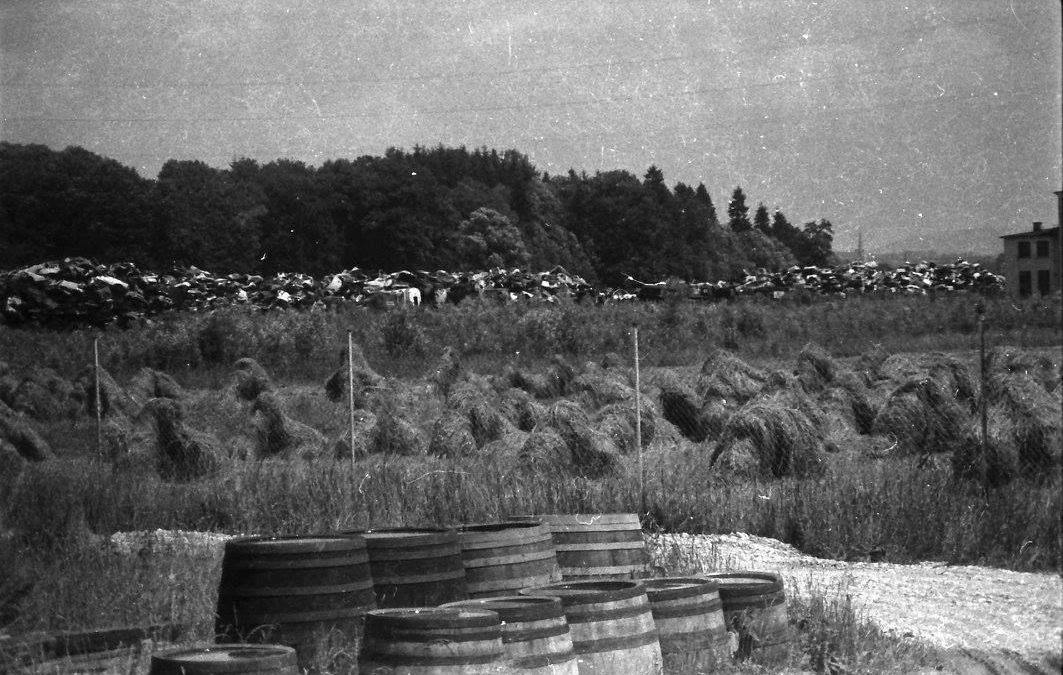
(431,640)
(612,626)
(310,593)
(689,618)
(234,659)
(502,558)
(415,567)
(754,608)
(600,545)
(535,633)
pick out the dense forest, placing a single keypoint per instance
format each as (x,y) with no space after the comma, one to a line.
(429,208)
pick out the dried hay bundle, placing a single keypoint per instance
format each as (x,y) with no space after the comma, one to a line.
(714,415)
(869,364)
(8,385)
(452,436)
(505,453)
(17,431)
(473,402)
(1026,416)
(365,429)
(600,387)
(364,375)
(592,453)
(47,504)
(1040,367)
(113,399)
(149,383)
(545,451)
(11,465)
(682,407)
(396,435)
(613,361)
(448,372)
(725,376)
(781,438)
(520,409)
(182,453)
(922,417)
(250,379)
(617,422)
(277,435)
(45,396)
(815,368)
(952,375)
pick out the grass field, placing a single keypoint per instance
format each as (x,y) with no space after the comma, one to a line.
(911,508)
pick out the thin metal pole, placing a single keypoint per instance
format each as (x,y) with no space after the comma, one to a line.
(96,392)
(638,422)
(350,388)
(982,403)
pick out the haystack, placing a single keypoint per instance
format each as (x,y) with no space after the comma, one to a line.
(922,417)
(1041,367)
(8,385)
(1026,417)
(447,373)
(452,436)
(617,422)
(11,465)
(505,453)
(395,434)
(183,453)
(868,365)
(250,379)
(815,368)
(277,435)
(365,424)
(949,373)
(149,383)
(471,401)
(520,408)
(682,407)
(725,376)
(545,451)
(364,376)
(994,466)
(769,437)
(17,431)
(593,454)
(113,399)
(44,396)
(600,387)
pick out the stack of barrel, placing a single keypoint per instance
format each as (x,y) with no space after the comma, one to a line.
(559,594)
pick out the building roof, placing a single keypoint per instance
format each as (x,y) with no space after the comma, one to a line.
(1048,231)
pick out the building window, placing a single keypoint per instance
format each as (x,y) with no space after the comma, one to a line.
(1042,249)
(1044,282)
(1024,283)
(1024,249)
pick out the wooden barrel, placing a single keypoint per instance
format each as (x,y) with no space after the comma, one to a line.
(754,608)
(611,625)
(310,593)
(431,641)
(233,659)
(415,567)
(535,633)
(601,545)
(501,558)
(689,618)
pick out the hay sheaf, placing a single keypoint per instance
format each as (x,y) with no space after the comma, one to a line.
(113,399)
(768,437)
(682,407)
(545,450)
(922,417)
(45,396)
(469,400)
(599,387)
(182,453)
(250,379)
(1042,368)
(815,368)
(995,465)
(617,422)
(949,373)
(1026,416)
(364,375)
(365,424)
(277,435)
(505,453)
(396,435)
(868,365)
(149,383)
(452,436)
(592,453)
(725,376)
(520,408)
(17,430)
(11,465)
(448,372)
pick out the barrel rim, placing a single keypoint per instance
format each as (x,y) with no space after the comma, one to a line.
(243,650)
(674,588)
(759,584)
(303,543)
(589,590)
(516,607)
(428,617)
(490,527)
(387,537)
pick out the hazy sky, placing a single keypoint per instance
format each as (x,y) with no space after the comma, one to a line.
(921,123)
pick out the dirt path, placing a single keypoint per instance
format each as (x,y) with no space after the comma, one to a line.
(993,621)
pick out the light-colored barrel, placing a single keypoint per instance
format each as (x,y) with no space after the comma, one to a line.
(501,558)
(599,545)
(431,641)
(689,618)
(612,626)
(415,567)
(754,608)
(535,633)
(236,659)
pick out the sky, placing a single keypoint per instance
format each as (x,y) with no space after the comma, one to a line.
(912,125)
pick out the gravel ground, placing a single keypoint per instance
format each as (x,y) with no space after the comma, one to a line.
(993,620)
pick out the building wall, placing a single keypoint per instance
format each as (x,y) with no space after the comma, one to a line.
(1014,265)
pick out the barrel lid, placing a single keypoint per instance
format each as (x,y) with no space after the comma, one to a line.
(223,658)
(737,584)
(313,543)
(411,536)
(579,522)
(593,590)
(499,526)
(672,588)
(516,607)
(426,617)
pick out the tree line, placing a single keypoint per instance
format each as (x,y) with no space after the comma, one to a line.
(427,208)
